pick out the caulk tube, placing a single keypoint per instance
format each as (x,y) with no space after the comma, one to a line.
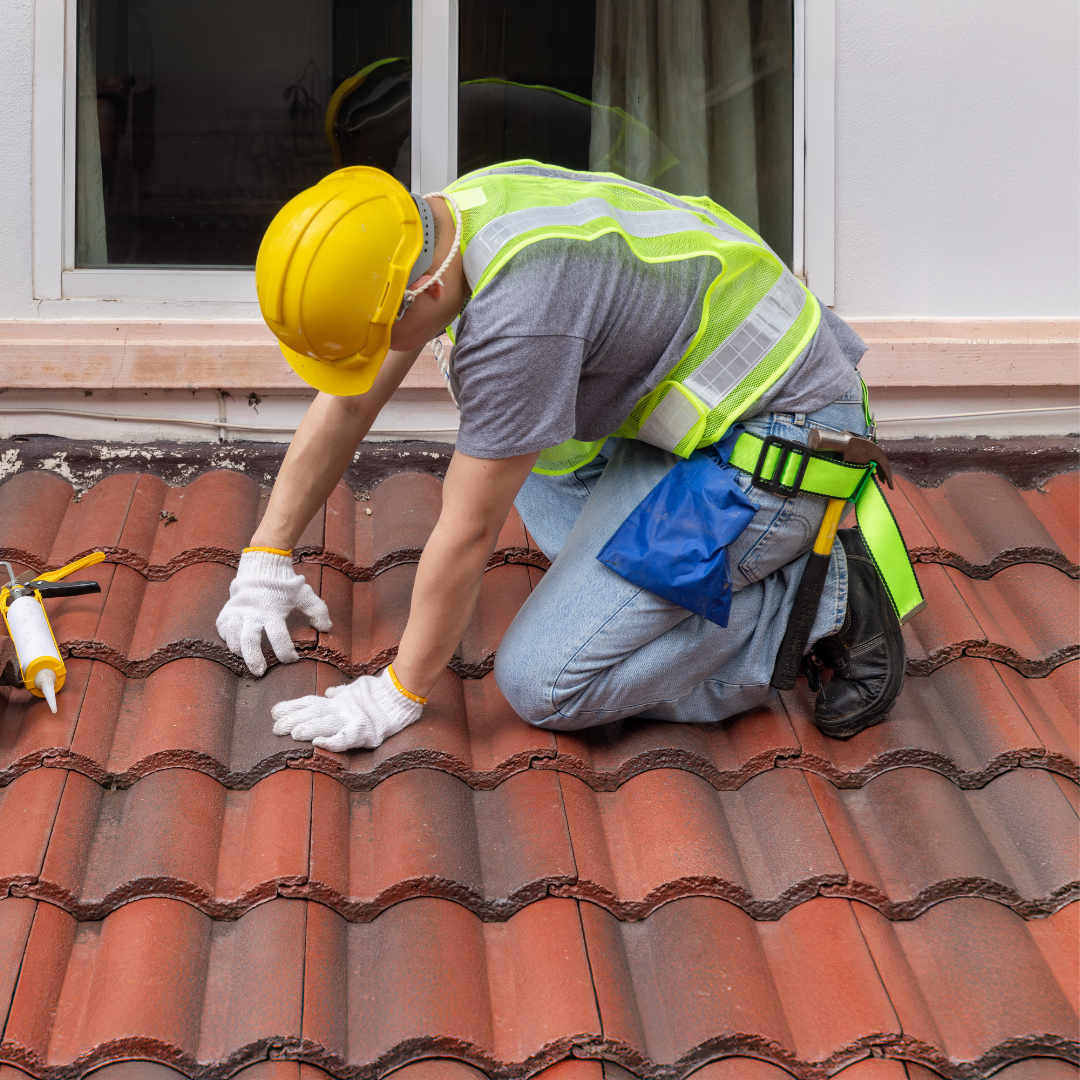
(42,667)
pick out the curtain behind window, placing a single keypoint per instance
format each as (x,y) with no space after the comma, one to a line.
(90,247)
(694,96)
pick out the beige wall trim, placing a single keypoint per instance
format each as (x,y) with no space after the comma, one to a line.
(173,355)
(970,352)
(188,355)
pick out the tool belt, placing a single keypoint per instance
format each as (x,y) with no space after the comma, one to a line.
(786,468)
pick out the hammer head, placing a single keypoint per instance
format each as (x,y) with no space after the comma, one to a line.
(856,449)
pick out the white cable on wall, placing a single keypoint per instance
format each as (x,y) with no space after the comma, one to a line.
(960,415)
(89,414)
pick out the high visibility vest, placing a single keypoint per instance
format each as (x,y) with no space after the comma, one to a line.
(756,317)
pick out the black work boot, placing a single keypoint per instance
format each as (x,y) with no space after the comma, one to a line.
(866,654)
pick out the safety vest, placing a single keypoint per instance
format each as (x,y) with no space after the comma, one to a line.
(756,317)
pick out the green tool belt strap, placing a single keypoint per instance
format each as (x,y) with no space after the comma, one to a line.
(839,480)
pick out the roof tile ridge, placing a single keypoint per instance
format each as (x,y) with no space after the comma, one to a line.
(982,648)
(487,909)
(711,885)
(512,556)
(310,554)
(176,758)
(478,779)
(158,887)
(580,1046)
(964,888)
(201,648)
(738,1044)
(1030,668)
(145,1048)
(666,758)
(1032,757)
(1008,557)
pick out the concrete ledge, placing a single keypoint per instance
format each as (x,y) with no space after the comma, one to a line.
(970,352)
(189,355)
(173,355)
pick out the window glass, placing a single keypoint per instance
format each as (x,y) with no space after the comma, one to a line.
(694,96)
(196,121)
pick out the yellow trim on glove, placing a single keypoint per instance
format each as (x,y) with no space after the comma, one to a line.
(271,551)
(401,689)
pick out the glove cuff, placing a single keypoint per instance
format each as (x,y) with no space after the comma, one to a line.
(401,689)
(260,565)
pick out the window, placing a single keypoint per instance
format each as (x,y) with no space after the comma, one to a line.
(195,122)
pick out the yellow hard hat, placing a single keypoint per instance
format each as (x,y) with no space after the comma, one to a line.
(332,271)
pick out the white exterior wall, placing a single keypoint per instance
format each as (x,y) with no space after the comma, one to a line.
(957,158)
(957,168)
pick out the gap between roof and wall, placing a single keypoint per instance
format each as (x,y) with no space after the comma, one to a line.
(227,378)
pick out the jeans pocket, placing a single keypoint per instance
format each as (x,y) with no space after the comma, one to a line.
(782,530)
(839,416)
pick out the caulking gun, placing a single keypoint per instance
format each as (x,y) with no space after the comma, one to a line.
(43,670)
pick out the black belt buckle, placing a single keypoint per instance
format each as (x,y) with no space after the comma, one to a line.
(786,448)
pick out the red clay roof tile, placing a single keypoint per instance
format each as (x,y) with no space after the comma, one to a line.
(910,839)
(973,982)
(520,991)
(425,833)
(725,754)
(178,791)
(963,721)
(28,810)
(699,979)
(667,833)
(965,988)
(1057,505)
(1021,617)
(980,523)
(779,841)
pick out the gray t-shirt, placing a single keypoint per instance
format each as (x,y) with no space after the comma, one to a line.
(568,336)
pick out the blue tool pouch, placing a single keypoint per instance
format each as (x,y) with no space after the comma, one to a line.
(675,542)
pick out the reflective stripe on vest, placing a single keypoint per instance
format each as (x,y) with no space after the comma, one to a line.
(702,395)
(551,173)
(494,236)
(675,416)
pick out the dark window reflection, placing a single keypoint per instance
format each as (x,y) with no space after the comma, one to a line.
(198,120)
(526,80)
(694,97)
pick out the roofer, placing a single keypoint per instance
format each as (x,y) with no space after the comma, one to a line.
(604,332)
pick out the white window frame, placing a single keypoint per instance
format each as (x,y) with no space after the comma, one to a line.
(434,155)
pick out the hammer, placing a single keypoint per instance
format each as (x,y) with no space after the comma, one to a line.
(856,451)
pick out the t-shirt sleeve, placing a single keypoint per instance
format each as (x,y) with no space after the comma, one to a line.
(518,394)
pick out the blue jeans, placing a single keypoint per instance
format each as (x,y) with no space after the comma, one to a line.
(588,648)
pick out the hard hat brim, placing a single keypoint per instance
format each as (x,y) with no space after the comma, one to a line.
(333,378)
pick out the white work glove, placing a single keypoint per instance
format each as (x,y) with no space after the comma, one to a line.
(264,591)
(361,713)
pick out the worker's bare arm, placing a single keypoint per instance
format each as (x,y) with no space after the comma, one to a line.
(320,453)
(477,496)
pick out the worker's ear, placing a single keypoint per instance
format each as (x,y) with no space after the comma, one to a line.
(434,290)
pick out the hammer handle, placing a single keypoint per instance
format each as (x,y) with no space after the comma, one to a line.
(807,598)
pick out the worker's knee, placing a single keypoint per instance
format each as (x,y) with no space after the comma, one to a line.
(523,679)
